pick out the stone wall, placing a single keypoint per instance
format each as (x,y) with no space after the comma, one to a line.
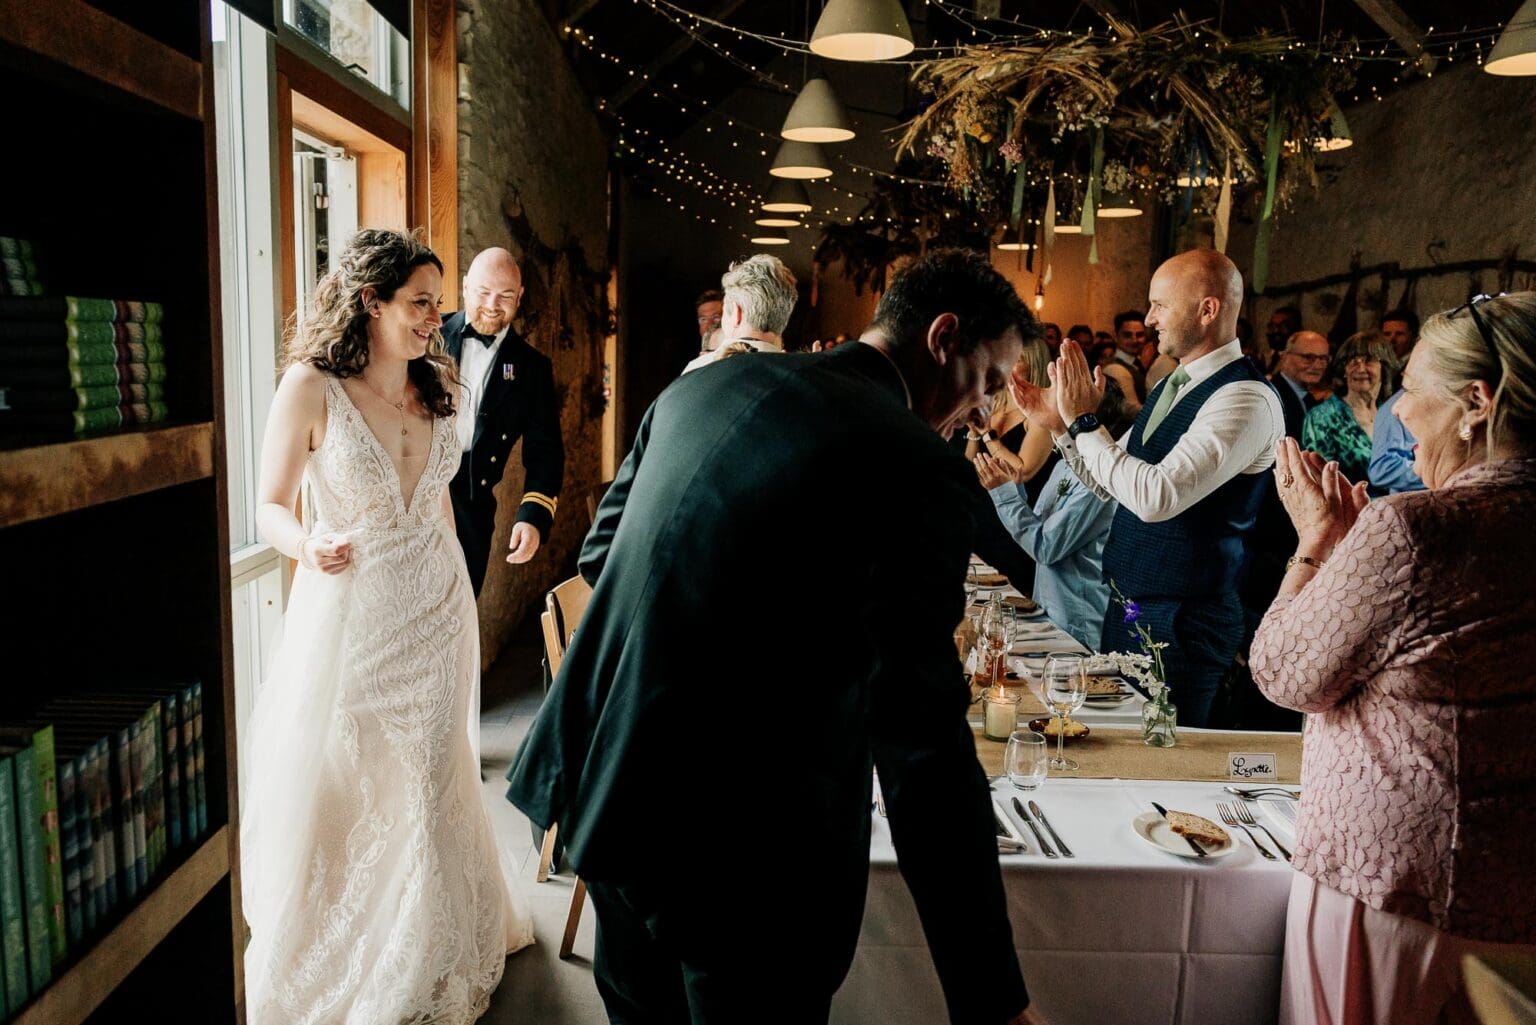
(1440,172)
(533,178)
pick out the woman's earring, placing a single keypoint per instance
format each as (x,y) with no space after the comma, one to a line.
(1464,432)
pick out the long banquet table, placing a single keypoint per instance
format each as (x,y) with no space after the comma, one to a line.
(1122,934)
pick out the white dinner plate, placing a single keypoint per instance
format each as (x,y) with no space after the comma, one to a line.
(1154,829)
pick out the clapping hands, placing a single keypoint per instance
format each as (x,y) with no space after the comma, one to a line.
(1321,502)
(994,473)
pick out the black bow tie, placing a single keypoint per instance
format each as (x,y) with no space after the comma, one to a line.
(485,339)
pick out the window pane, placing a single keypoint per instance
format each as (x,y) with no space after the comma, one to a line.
(354,33)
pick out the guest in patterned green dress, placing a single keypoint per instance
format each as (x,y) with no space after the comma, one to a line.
(1339,428)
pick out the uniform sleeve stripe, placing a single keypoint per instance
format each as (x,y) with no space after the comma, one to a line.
(541,500)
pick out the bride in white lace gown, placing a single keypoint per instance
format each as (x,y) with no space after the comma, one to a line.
(369,876)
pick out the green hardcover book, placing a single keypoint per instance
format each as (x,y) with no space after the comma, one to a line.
(45,787)
(189,826)
(99,807)
(74,920)
(34,888)
(154,786)
(15,247)
(13,914)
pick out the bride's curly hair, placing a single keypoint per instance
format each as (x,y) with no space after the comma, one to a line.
(334,336)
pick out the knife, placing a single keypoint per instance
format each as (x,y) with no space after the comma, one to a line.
(1045,848)
(1035,809)
(1196,847)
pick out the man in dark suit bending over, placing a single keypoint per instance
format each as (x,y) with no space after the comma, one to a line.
(727,852)
(507,391)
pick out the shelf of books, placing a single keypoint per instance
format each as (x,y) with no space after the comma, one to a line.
(118,817)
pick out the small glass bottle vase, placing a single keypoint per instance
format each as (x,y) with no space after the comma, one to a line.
(1160,721)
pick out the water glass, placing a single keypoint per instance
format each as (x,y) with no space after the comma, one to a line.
(1026,759)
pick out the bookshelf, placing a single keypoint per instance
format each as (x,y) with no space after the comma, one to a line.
(115,549)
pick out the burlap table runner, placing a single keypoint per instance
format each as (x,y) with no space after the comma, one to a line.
(1118,753)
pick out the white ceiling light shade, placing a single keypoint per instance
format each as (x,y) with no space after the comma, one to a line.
(770,240)
(1117,206)
(1515,52)
(1068,229)
(1338,136)
(862,30)
(787,197)
(817,115)
(777,222)
(802,161)
(1015,247)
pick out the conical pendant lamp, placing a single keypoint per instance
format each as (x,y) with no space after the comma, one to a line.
(770,240)
(800,160)
(1515,52)
(778,222)
(817,115)
(862,30)
(787,197)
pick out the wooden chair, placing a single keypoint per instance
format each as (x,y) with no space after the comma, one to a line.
(563,609)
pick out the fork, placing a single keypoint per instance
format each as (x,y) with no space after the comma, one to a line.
(1246,817)
(1230,819)
(1252,793)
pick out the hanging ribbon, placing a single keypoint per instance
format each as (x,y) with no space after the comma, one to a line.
(1018,197)
(1267,219)
(1048,241)
(1224,207)
(1095,188)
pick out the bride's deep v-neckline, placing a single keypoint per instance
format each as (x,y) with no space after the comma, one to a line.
(383,453)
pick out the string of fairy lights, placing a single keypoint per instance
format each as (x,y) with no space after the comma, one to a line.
(1469,43)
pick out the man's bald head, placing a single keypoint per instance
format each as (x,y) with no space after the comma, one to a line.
(1194,300)
(493,287)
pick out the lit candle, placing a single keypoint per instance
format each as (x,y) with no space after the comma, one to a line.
(1001,714)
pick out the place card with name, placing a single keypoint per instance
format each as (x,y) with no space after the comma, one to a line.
(1250,765)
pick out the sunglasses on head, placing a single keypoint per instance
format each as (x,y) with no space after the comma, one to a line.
(1482,327)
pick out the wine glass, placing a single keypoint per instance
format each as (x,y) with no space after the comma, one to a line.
(1064,684)
(1026,759)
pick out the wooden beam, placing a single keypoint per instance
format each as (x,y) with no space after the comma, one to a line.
(441,145)
(667,56)
(1395,22)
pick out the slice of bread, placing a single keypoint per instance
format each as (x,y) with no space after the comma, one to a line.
(1074,728)
(1020,602)
(1104,685)
(989,579)
(1200,830)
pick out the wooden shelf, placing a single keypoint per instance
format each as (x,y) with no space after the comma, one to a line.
(72,996)
(47,480)
(97,45)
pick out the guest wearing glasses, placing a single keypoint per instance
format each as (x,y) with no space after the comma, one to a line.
(1299,369)
(1405,631)
(1339,429)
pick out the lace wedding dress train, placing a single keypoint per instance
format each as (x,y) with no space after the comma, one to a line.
(369,876)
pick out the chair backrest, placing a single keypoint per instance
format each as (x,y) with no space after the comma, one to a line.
(564,605)
(554,649)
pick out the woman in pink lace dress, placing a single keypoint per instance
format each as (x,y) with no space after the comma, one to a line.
(1407,629)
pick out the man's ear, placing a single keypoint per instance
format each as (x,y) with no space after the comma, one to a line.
(943,337)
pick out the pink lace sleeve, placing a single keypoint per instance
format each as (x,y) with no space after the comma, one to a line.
(1314,648)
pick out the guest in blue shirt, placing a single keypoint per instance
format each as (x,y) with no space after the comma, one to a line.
(1064,533)
(1391,468)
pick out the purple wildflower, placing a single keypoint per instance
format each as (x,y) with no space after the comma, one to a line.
(1132,612)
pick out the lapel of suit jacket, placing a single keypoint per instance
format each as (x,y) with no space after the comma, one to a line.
(499,387)
(453,335)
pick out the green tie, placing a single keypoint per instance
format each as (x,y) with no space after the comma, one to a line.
(1176,380)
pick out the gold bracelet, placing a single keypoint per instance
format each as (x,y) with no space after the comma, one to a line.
(1302,560)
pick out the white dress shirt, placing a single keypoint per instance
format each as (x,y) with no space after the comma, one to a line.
(475,362)
(1234,432)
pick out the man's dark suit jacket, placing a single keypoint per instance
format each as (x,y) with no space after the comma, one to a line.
(518,402)
(778,570)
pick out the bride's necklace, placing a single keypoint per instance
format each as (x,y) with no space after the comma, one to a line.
(399,406)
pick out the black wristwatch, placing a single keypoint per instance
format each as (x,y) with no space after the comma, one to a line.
(1086,422)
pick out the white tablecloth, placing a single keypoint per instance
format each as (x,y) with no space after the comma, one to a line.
(1123,934)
